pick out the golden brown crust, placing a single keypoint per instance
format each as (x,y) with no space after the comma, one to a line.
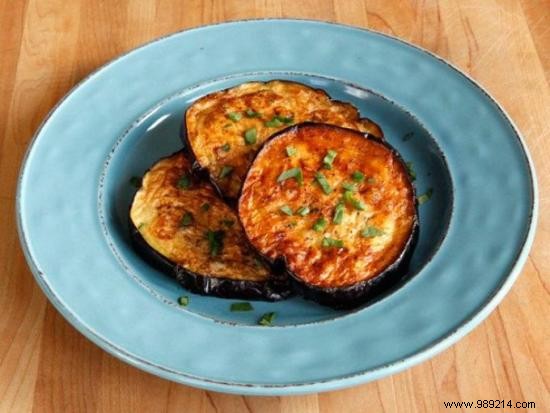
(386,196)
(157,212)
(209,127)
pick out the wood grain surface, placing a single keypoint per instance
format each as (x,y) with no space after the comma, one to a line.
(46,46)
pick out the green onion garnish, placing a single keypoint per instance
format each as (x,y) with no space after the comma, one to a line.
(226,171)
(183,300)
(241,306)
(234,116)
(205,207)
(422,199)
(285,209)
(286,119)
(251,113)
(250,136)
(329,159)
(320,224)
(184,182)
(356,203)
(358,176)
(273,123)
(277,121)
(187,219)
(303,211)
(322,181)
(226,147)
(371,232)
(349,187)
(332,243)
(295,173)
(338,213)
(290,151)
(411,171)
(215,241)
(228,222)
(135,181)
(267,319)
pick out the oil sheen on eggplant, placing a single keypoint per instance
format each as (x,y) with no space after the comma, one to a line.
(225,129)
(344,225)
(170,219)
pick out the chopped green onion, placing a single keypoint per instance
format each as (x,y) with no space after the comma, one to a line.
(226,171)
(320,224)
(187,219)
(273,123)
(183,300)
(422,199)
(338,213)
(303,211)
(286,119)
(140,226)
(250,136)
(251,113)
(356,203)
(228,222)
(329,159)
(411,171)
(371,232)
(241,306)
(290,151)
(332,243)
(358,176)
(349,187)
(295,173)
(205,207)
(277,121)
(184,182)
(135,181)
(285,209)
(267,319)
(215,241)
(234,116)
(226,147)
(322,181)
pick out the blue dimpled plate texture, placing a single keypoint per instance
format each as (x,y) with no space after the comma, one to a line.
(124,116)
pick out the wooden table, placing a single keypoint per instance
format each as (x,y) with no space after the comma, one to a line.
(48,45)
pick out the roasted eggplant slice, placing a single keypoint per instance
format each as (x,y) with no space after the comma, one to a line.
(224,130)
(180,225)
(336,207)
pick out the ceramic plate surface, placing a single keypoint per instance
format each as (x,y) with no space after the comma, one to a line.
(475,231)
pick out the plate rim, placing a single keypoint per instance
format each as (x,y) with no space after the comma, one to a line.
(365,376)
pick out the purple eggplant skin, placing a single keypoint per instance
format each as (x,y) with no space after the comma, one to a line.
(363,293)
(274,290)
(204,173)
(197,169)
(360,294)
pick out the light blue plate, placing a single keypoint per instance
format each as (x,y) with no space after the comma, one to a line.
(476,230)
